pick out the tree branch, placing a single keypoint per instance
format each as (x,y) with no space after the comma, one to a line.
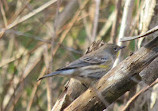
(141,35)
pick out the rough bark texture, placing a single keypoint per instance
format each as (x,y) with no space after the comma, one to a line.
(150,73)
(73,89)
(117,81)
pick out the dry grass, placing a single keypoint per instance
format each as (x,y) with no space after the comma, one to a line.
(27,47)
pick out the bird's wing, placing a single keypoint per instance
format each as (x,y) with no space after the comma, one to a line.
(85,61)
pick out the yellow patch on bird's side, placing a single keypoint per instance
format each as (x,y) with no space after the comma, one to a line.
(104,66)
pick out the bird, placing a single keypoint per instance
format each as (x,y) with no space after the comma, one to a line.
(91,66)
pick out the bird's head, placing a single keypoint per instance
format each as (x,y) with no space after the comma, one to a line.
(112,49)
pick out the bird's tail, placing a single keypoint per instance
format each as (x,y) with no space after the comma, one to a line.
(49,75)
(67,73)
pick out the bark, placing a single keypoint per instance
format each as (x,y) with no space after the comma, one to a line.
(150,73)
(71,92)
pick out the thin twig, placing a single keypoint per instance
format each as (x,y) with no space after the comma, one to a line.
(147,13)
(137,94)
(125,26)
(34,90)
(3,14)
(18,12)
(23,84)
(139,36)
(19,33)
(26,17)
(116,21)
(106,26)
(71,23)
(87,28)
(95,24)
(49,62)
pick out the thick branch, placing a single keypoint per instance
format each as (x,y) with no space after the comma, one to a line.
(150,73)
(117,81)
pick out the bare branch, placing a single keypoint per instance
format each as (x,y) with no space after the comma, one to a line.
(116,21)
(125,26)
(139,36)
(23,84)
(140,92)
(26,17)
(95,24)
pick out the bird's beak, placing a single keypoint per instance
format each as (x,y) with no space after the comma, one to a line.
(121,47)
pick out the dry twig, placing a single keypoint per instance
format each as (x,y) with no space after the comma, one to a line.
(139,93)
(141,35)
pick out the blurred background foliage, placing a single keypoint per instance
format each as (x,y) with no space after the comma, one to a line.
(25,44)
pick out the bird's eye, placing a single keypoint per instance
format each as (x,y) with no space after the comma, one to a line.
(103,58)
(115,48)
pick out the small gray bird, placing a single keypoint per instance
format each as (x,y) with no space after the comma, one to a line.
(91,66)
